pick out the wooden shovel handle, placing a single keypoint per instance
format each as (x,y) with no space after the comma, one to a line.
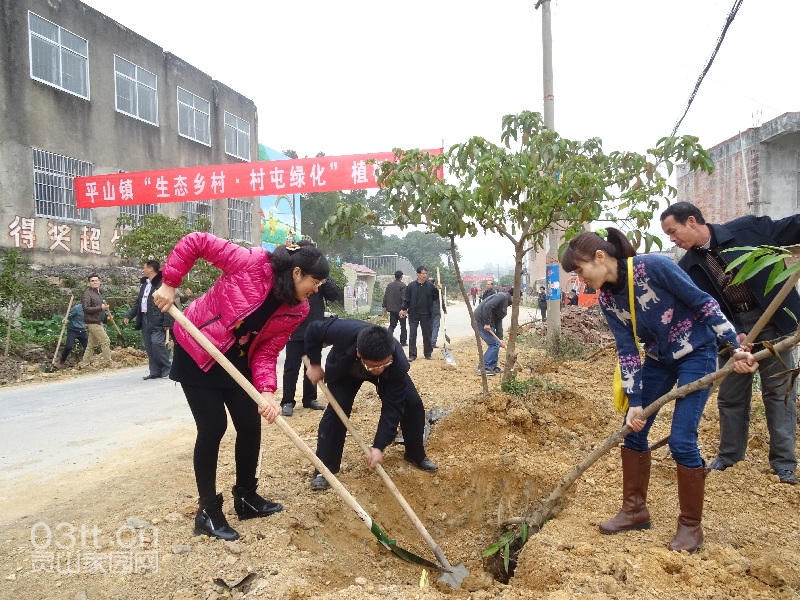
(384,475)
(63,326)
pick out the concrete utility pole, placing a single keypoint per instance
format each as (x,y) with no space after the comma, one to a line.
(553,238)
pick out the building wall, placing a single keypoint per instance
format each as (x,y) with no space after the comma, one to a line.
(35,115)
(764,161)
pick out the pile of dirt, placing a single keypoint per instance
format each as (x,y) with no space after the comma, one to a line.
(498,455)
(14,370)
(581,323)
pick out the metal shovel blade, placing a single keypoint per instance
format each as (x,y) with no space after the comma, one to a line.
(458,573)
(448,356)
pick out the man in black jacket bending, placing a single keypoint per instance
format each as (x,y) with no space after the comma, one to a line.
(152,321)
(706,262)
(362,352)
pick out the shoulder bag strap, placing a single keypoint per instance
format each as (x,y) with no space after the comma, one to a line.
(632,299)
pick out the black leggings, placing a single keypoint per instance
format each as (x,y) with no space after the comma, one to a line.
(208,408)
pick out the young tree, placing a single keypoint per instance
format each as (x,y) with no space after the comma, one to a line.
(522,192)
(16,287)
(155,237)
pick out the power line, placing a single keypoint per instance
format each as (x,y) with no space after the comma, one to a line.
(731,15)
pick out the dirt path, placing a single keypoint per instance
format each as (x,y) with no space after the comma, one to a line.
(498,456)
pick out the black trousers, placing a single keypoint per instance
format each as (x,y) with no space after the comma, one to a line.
(208,409)
(332,432)
(73,335)
(291,369)
(394,318)
(424,322)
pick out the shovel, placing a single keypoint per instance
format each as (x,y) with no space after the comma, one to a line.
(120,338)
(63,326)
(453,575)
(383,539)
(447,352)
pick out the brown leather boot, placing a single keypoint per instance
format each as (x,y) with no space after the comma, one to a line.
(691,493)
(635,479)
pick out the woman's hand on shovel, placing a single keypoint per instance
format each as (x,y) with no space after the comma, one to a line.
(270,409)
(374,459)
(164,297)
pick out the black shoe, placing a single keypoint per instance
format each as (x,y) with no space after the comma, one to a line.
(786,476)
(313,405)
(287,410)
(426,464)
(718,465)
(152,377)
(319,483)
(428,358)
(403,344)
(211,522)
(412,358)
(436,345)
(249,505)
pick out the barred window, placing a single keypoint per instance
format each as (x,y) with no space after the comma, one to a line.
(58,57)
(194,117)
(137,212)
(54,186)
(237,136)
(137,91)
(240,219)
(198,208)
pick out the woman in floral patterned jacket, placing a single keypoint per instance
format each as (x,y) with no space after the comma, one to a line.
(680,327)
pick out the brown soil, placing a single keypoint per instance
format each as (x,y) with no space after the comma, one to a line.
(498,456)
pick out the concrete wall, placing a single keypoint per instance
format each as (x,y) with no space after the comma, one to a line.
(764,161)
(36,115)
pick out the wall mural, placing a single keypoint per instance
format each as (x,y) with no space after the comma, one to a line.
(279,216)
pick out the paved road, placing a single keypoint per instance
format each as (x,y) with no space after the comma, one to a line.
(71,424)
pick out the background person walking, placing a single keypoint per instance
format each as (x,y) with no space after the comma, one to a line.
(151,321)
(393,303)
(94,314)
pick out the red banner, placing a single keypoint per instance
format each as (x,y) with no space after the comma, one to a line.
(478,278)
(237,180)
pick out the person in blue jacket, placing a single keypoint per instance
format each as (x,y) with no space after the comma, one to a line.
(680,327)
(709,250)
(363,352)
(76,330)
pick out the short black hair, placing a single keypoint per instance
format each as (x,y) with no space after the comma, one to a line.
(398,274)
(680,211)
(375,343)
(92,276)
(154,264)
(420,269)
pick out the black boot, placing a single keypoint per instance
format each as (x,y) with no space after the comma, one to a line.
(249,505)
(210,520)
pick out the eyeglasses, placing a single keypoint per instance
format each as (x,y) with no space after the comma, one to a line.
(378,368)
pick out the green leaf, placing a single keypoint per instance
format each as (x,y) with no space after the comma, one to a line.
(754,265)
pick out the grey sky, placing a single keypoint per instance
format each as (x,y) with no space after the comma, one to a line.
(354,76)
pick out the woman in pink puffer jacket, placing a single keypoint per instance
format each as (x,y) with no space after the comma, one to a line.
(248,314)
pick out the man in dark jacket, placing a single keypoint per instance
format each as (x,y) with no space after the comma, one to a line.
(418,304)
(151,321)
(76,330)
(489,317)
(295,348)
(393,302)
(743,304)
(362,352)
(489,291)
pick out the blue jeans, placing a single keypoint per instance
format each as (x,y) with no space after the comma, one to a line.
(490,357)
(658,378)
